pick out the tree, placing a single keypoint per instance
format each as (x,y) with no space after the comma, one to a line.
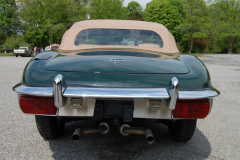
(134,10)
(2,37)
(106,9)
(225,19)
(8,18)
(43,17)
(137,16)
(170,13)
(195,21)
(124,13)
(15,42)
(213,29)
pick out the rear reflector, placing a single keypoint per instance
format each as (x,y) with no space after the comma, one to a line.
(192,109)
(37,105)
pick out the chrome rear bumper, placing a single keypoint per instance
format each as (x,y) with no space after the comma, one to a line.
(59,91)
(63,96)
(113,93)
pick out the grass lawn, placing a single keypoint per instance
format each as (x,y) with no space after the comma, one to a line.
(6,54)
(197,55)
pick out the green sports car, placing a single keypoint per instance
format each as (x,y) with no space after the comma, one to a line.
(116,72)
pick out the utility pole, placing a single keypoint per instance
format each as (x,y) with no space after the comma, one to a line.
(51,33)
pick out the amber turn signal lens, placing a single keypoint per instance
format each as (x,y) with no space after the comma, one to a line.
(37,105)
(192,109)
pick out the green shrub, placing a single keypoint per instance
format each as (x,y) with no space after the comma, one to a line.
(14,42)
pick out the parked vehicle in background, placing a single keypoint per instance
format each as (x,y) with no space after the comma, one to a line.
(5,50)
(54,47)
(22,51)
(48,48)
(116,72)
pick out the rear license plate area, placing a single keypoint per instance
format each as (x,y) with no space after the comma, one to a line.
(112,109)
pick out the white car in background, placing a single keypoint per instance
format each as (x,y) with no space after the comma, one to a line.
(48,48)
(22,51)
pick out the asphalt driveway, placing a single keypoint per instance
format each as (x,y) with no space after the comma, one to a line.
(216,137)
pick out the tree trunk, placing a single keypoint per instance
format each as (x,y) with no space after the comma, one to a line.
(191,46)
(230,44)
(230,49)
(214,44)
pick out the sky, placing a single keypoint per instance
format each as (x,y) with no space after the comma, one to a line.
(141,2)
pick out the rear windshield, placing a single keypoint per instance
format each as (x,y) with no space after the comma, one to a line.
(54,47)
(124,37)
(24,48)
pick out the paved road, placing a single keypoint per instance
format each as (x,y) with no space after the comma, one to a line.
(216,137)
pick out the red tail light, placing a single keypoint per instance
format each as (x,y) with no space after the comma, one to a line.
(37,105)
(192,109)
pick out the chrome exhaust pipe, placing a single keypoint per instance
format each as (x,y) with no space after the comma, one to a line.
(149,136)
(125,130)
(102,128)
(76,134)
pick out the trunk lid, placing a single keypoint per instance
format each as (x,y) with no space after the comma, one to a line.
(117,64)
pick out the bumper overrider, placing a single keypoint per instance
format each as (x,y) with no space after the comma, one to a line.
(149,103)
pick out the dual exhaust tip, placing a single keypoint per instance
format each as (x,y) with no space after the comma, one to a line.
(102,128)
(125,130)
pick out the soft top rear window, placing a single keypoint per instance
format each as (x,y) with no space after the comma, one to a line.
(124,37)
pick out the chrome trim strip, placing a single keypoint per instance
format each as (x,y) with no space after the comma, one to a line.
(199,94)
(34,91)
(137,93)
(173,92)
(119,93)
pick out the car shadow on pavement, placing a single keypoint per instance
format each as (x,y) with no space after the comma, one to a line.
(115,146)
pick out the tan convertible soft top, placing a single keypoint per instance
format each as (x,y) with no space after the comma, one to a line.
(68,47)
